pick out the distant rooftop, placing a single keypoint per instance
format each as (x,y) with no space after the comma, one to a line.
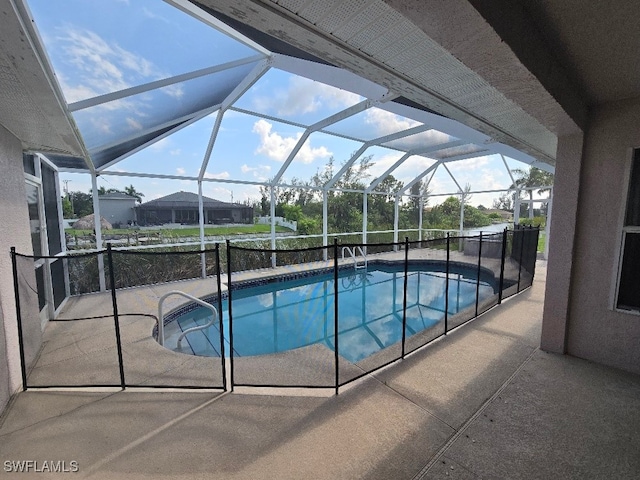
(187,199)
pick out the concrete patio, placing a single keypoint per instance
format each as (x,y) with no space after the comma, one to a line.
(482,402)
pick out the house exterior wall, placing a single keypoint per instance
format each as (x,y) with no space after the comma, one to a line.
(117,210)
(594,329)
(14,216)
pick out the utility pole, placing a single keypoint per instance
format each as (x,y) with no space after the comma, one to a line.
(66,191)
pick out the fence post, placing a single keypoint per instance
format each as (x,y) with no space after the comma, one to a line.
(219,286)
(16,292)
(479,267)
(230,315)
(502,262)
(335,312)
(446,287)
(116,320)
(522,231)
(404,297)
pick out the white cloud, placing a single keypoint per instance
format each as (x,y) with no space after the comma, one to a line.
(278,147)
(181,171)
(149,14)
(102,66)
(385,123)
(134,124)
(304,96)
(161,144)
(219,193)
(260,173)
(221,176)
(175,152)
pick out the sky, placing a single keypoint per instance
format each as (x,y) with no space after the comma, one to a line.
(98,48)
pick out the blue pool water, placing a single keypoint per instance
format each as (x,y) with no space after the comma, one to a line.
(286,315)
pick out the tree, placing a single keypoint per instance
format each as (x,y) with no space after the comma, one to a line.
(447,215)
(67,208)
(132,192)
(531,179)
(381,208)
(82,203)
(504,202)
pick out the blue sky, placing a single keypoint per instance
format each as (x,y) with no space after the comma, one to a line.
(104,47)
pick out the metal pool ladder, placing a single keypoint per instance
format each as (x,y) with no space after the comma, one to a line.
(213,309)
(352,254)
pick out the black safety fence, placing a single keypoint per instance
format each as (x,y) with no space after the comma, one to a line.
(272,344)
(110,337)
(79,350)
(237,315)
(175,294)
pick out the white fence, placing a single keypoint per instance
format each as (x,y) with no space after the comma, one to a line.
(293,225)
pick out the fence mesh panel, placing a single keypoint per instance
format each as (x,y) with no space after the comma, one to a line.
(490,265)
(79,349)
(529,254)
(426,292)
(463,271)
(511,265)
(283,304)
(370,306)
(142,279)
(282,317)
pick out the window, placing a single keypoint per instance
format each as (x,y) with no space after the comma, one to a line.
(629,282)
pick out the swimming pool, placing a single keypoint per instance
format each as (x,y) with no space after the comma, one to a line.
(291,314)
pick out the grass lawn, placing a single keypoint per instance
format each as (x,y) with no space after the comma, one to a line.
(187,232)
(542,240)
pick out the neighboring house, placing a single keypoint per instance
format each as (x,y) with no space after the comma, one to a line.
(117,208)
(182,207)
(504,215)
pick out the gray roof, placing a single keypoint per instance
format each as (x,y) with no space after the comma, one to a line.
(188,200)
(116,195)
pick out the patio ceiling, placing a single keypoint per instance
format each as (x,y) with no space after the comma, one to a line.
(216,85)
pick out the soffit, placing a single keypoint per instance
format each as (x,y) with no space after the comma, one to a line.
(30,107)
(380,43)
(598,41)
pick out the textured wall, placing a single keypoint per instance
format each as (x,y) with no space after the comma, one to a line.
(562,242)
(595,330)
(14,217)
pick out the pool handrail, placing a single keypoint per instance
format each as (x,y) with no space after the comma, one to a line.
(352,253)
(213,309)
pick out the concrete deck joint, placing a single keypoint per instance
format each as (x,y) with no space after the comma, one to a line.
(422,473)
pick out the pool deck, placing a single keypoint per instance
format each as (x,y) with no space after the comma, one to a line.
(482,402)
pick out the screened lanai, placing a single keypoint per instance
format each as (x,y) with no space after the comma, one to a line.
(169,98)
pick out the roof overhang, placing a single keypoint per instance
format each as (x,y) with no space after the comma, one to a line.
(31,105)
(403,46)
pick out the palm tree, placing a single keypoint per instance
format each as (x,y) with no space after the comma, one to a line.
(132,192)
(531,179)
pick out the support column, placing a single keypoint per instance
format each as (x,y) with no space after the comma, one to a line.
(516,208)
(203,259)
(396,221)
(272,211)
(325,222)
(462,199)
(365,214)
(561,254)
(98,228)
(421,207)
(547,228)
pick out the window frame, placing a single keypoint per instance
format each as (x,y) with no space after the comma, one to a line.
(632,157)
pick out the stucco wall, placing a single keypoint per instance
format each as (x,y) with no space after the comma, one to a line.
(15,217)
(595,330)
(117,210)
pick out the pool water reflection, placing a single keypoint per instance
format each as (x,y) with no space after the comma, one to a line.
(287,315)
